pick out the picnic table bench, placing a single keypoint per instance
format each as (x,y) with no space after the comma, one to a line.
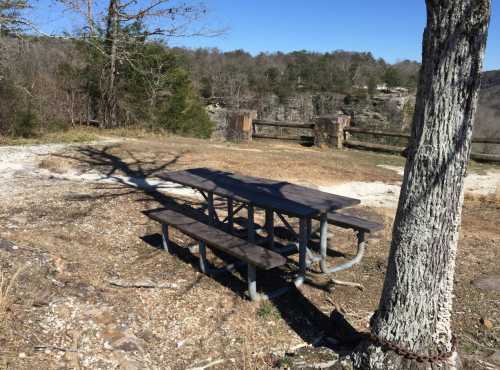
(276,198)
(253,255)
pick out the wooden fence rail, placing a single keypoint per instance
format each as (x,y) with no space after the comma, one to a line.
(397,149)
(283,124)
(359,130)
(347,140)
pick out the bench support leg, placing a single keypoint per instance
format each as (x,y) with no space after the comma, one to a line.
(202,250)
(343,266)
(252,287)
(164,238)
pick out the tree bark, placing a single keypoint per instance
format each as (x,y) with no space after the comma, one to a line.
(416,304)
(90,17)
(110,99)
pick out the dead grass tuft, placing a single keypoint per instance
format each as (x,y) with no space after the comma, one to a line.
(6,290)
(482,198)
(56,165)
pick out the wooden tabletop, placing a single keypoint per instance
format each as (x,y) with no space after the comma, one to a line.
(284,197)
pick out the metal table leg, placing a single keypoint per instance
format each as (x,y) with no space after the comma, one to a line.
(252,283)
(303,237)
(250,223)
(323,236)
(211,210)
(203,257)
(164,238)
(230,218)
(270,227)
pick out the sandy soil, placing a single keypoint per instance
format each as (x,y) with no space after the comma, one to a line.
(72,219)
(381,194)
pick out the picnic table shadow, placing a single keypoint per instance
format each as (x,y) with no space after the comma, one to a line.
(298,311)
(302,315)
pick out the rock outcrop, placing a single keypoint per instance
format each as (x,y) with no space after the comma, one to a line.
(387,109)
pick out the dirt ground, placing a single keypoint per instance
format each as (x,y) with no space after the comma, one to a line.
(71,227)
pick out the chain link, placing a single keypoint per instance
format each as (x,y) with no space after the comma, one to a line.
(403,352)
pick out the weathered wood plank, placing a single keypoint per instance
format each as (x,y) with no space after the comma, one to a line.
(485,140)
(485,157)
(373,146)
(317,199)
(284,124)
(219,184)
(353,222)
(360,130)
(282,196)
(258,256)
(301,139)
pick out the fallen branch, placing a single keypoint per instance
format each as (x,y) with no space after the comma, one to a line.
(145,283)
(55,348)
(347,283)
(210,364)
(473,341)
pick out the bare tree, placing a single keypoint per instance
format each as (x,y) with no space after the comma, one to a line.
(85,9)
(151,18)
(414,314)
(11,19)
(11,22)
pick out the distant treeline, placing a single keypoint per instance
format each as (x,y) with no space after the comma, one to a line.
(51,84)
(236,76)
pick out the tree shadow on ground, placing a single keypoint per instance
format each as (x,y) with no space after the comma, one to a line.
(133,177)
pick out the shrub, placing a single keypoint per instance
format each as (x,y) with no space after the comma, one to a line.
(183,113)
(56,126)
(25,124)
(6,288)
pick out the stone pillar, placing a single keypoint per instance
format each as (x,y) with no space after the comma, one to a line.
(343,121)
(240,126)
(329,130)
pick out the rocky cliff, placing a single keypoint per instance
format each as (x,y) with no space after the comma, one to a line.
(390,109)
(387,109)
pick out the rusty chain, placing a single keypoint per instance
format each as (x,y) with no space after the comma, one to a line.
(437,357)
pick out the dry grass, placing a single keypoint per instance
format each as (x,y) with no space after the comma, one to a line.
(6,292)
(57,164)
(81,234)
(76,135)
(493,198)
(82,134)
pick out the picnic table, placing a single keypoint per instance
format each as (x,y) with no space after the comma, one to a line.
(274,197)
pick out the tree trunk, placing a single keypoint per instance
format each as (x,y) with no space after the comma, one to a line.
(90,17)
(110,100)
(416,304)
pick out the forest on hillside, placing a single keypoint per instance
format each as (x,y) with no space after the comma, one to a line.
(116,70)
(49,84)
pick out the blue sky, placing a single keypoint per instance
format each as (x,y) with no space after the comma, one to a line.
(389,29)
